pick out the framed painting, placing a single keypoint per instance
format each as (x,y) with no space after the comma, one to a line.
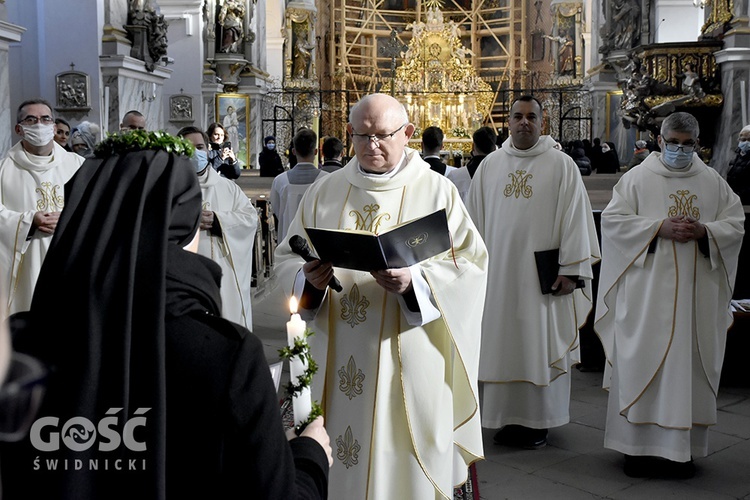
(537,46)
(233,112)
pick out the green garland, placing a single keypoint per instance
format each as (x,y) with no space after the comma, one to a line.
(138,140)
(301,349)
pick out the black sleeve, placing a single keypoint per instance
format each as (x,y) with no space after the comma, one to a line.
(703,246)
(271,464)
(216,227)
(230,170)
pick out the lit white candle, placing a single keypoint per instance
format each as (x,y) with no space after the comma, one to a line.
(302,401)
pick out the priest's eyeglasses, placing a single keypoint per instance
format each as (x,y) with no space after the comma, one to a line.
(376,138)
(686,148)
(33,120)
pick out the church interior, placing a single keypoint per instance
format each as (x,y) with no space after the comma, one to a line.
(610,69)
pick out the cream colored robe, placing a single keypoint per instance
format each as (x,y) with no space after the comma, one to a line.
(663,316)
(28,184)
(400,401)
(233,250)
(522,202)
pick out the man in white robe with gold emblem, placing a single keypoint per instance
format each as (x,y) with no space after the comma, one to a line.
(524,198)
(229,222)
(671,236)
(398,349)
(32,177)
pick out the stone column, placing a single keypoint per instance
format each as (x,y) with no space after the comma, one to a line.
(9,33)
(734,62)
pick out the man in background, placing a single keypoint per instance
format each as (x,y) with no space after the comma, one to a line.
(133,120)
(32,178)
(333,150)
(288,187)
(483,143)
(227,231)
(529,197)
(432,144)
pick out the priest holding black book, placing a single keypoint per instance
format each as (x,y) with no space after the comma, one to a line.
(398,348)
(529,204)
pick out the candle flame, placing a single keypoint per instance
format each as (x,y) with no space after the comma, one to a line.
(293,304)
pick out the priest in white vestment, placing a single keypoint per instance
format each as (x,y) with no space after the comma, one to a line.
(32,178)
(398,349)
(229,222)
(671,236)
(528,197)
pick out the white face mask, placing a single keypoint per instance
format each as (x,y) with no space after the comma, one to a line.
(605,148)
(38,135)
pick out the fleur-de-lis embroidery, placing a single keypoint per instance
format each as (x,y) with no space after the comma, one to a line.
(518,185)
(347,449)
(354,307)
(350,379)
(683,205)
(49,199)
(370,222)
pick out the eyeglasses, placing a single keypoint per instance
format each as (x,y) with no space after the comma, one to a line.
(686,148)
(33,120)
(376,138)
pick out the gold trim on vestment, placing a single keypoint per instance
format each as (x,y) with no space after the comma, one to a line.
(375,393)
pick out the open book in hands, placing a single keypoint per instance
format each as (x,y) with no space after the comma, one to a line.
(400,246)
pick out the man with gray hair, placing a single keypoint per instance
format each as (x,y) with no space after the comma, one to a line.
(671,237)
(398,349)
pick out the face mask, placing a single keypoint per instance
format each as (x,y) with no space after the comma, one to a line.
(677,159)
(38,135)
(605,149)
(199,160)
(744,146)
(271,146)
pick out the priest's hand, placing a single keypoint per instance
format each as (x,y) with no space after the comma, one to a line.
(46,222)
(394,280)
(207,219)
(318,273)
(682,229)
(563,286)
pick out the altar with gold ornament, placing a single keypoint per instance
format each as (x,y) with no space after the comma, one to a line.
(438,84)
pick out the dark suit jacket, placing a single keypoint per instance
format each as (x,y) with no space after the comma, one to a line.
(437,165)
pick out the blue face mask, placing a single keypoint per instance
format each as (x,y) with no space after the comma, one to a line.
(199,160)
(676,159)
(744,146)
(271,146)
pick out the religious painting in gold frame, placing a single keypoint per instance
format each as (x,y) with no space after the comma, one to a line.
(233,112)
(612,108)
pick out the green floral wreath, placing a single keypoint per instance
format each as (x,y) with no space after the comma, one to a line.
(138,140)
(301,349)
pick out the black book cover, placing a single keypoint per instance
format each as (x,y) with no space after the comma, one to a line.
(401,246)
(548,267)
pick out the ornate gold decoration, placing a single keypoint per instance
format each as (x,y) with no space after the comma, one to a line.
(347,449)
(371,221)
(354,307)
(436,81)
(518,185)
(721,14)
(684,205)
(50,200)
(350,379)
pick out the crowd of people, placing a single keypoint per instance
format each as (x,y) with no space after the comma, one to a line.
(145,255)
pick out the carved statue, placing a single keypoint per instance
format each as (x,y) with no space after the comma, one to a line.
(302,58)
(691,83)
(230,21)
(622,28)
(565,53)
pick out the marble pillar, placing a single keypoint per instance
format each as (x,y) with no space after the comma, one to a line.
(9,33)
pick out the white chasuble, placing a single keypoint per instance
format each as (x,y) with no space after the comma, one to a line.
(233,250)
(28,184)
(400,401)
(525,201)
(663,306)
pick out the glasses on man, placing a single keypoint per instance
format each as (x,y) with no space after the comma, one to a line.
(33,120)
(376,138)
(686,148)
